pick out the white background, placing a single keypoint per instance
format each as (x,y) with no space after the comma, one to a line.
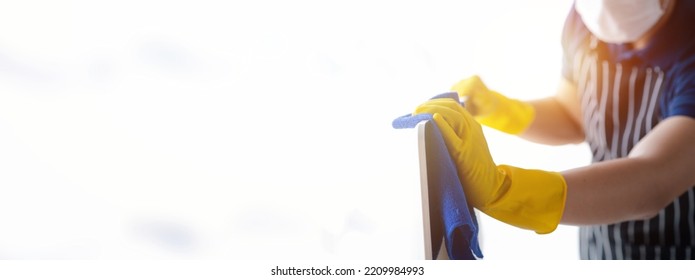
(251,129)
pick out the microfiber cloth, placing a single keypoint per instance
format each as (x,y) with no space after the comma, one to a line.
(448,202)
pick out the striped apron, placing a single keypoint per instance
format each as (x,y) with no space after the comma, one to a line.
(620,105)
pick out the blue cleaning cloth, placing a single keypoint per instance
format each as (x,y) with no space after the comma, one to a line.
(451,212)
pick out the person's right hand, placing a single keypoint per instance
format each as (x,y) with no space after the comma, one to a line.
(494,109)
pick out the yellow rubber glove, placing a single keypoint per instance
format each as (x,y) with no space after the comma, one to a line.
(530,199)
(494,109)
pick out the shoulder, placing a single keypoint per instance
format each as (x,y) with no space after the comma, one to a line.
(575,42)
(678,47)
(680,95)
(574,33)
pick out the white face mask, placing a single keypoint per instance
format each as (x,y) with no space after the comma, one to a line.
(619,21)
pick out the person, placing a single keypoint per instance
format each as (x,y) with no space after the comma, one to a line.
(628,89)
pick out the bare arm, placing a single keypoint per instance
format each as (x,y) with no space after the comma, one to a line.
(558,118)
(657,170)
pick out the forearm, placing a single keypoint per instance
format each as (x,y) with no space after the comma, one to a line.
(615,191)
(658,170)
(553,125)
(558,118)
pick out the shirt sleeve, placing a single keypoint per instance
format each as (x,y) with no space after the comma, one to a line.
(682,97)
